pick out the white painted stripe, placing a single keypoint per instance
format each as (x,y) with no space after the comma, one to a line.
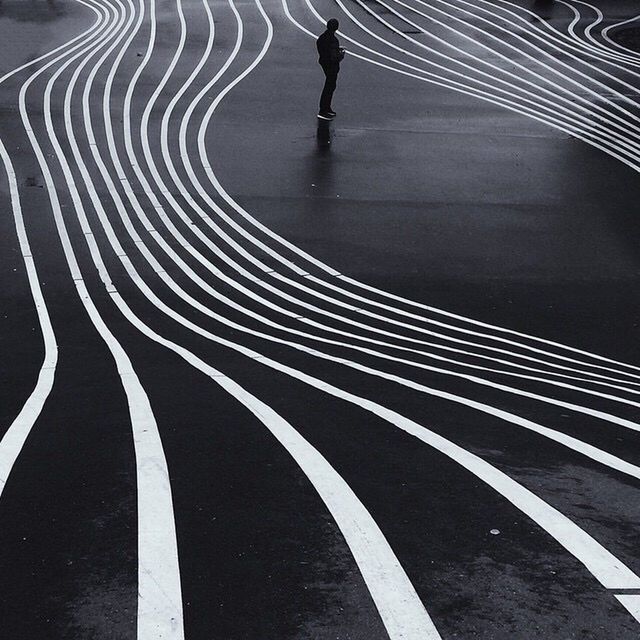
(16,435)
(426,307)
(194,303)
(14,438)
(607,569)
(401,610)
(633,55)
(557,107)
(159,597)
(511,332)
(603,558)
(631,602)
(554,59)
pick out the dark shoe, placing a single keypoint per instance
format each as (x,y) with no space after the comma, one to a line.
(326,115)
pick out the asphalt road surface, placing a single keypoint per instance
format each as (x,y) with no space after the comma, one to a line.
(265,377)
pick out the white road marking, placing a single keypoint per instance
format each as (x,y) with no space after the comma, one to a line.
(604,566)
(16,435)
(401,610)
(631,603)
(203,192)
(205,163)
(573,443)
(631,54)
(159,598)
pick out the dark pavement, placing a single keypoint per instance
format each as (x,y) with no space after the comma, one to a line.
(340,456)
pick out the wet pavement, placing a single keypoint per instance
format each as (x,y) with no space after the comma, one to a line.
(509,199)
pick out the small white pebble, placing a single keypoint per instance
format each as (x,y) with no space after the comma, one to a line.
(495,532)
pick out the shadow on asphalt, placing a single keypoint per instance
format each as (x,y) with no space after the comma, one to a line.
(323,137)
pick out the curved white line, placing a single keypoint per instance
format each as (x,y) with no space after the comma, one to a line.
(419,305)
(16,435)
(634,55)
(246,214)
(512,418)
(598,49)
(163,189)
(400,608)
(159,598)
(603,565)
(604,132)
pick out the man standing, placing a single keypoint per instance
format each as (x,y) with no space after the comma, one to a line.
(330,54)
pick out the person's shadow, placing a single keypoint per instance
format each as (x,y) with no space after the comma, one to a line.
(319,171)
(323,136)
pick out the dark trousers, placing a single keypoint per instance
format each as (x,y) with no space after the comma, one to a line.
(331,76)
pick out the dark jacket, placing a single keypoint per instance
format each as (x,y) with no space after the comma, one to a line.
(329,49)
